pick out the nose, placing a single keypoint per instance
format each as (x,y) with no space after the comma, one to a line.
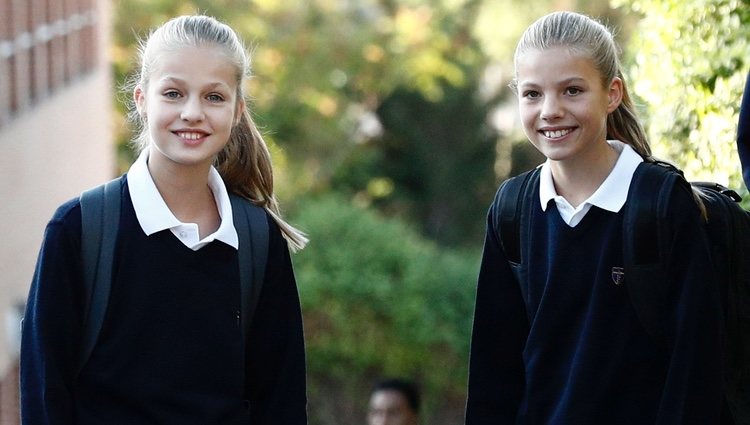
(551,108)
(192,110)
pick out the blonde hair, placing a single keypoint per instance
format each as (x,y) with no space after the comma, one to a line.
(587,37)
(245,162)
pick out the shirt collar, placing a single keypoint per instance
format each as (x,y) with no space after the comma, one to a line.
(612,193)
(154,215)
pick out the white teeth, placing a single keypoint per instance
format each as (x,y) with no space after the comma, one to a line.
(190,135)
(556,134)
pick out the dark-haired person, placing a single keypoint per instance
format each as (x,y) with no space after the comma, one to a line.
(394,402)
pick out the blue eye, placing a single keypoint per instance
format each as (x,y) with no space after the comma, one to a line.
(171,94)
(215,98)
(531,94)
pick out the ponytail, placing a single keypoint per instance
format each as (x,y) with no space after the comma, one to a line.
(245,165)
(591,39)
(623,124)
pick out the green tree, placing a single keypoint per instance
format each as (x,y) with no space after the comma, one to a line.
(688,62)
(322,71)
(385,103)
(438,159)
(379,300)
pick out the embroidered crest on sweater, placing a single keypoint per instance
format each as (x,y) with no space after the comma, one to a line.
(618,275)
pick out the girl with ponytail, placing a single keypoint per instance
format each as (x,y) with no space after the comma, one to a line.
(556,338)
(172,347)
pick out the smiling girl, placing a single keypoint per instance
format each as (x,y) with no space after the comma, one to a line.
(560,342)
(171,349)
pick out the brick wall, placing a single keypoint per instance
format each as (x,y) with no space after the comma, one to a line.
(52,57)
(9,415)
(44,46)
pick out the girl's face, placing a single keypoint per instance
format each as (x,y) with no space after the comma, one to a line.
(190,104)
(563,105)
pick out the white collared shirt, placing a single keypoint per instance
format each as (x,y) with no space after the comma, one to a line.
(154,215)
(610,196)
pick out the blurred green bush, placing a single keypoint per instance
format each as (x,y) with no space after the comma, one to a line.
(380,300)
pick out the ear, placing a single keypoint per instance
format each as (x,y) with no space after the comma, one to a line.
(140,100)
(614,95)
(239,110)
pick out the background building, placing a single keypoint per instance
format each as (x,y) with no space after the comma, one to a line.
(55,137)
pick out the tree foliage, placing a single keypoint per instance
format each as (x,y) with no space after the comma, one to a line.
(321,66)
(688,63)
(379,300)
(384,108)
(323,71)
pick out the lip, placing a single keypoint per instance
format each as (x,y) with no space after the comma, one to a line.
(556,133)
(191,136)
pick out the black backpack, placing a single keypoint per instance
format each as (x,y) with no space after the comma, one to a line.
(728,231)
(100,216)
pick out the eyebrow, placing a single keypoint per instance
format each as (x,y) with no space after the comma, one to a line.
(176,80)
(564,82)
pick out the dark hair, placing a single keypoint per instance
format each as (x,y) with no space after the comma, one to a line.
(406,387)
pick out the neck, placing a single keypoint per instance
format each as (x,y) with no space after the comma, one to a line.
(186,192)
(577,179)
(177,181)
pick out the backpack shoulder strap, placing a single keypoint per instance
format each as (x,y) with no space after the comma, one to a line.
(510,202)
(100,218)
(644,242)
(252,230)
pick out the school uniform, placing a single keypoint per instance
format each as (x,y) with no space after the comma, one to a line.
(566,347)
(743,133)
(170,349)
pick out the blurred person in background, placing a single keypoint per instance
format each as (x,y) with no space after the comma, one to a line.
(394,402)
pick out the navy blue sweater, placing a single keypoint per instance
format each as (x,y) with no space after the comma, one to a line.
(743,133)
(566,347)
(170,347)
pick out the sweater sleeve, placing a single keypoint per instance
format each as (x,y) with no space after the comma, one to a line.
(51,324)
(743,133)
(693,387)
(276,353)
(496,371)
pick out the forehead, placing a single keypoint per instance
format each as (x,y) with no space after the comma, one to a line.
(194,64)
(554,64)
(388,400)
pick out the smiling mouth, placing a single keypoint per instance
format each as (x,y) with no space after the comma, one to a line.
(556,134)
(190,135)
